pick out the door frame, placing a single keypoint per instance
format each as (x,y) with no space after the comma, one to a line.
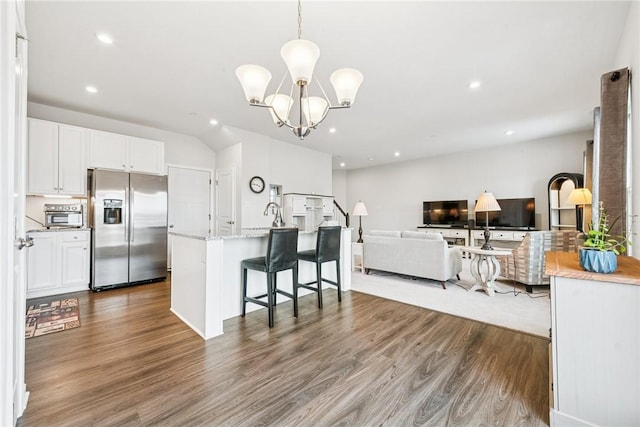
(234,212)
(211,201)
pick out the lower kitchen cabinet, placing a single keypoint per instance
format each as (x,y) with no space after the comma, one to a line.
(58,262)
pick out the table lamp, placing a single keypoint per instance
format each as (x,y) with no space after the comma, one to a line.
(360,210)
(580,196)
(487,203)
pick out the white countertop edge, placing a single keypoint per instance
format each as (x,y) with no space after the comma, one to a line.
(248,235)
(58,229)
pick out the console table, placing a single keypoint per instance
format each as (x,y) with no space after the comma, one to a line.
(485,268)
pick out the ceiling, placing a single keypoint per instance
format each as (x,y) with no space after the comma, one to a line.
(172,66)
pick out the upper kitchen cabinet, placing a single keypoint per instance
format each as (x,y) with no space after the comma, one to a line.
(119,152)
(56,159)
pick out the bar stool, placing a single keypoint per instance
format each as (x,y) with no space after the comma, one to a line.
(281,255)
(327,249)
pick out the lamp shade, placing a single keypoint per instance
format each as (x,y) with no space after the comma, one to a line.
(580,196)
(301,57)
(346,82)
(314,109)
(281,104)
(254,80)
(487,203)
(360,209)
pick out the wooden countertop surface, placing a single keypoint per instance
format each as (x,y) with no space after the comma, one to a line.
(566,264)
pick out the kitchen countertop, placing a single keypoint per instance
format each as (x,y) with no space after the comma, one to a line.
(245,234)
(57,229)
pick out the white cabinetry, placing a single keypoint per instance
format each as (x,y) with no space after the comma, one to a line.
(58,262)
(453,235)
(56,159)
(307,211)
(595,320)
(501,235)
(127,153)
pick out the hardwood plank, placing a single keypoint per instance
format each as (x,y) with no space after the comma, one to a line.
(366,361)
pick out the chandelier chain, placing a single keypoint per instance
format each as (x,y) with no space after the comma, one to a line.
(299,19)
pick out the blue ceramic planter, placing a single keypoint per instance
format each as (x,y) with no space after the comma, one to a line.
(597,261)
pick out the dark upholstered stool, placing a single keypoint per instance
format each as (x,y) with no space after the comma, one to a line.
(327,249)
(282,251)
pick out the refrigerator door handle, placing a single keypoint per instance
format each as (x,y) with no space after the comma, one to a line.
(126,214)
(131,225)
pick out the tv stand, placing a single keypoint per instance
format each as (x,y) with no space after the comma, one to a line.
(499,234)
(450,233)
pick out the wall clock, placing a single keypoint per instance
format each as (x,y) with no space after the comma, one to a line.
(256,184)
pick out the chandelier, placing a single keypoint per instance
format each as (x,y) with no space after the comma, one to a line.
(300,56)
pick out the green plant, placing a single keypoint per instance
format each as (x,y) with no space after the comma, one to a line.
(598,236)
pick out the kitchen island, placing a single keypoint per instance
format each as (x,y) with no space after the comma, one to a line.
(206,285)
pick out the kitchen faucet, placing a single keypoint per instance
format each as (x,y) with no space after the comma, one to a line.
(275,209)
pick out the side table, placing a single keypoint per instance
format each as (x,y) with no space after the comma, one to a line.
(485,268)
(357,257)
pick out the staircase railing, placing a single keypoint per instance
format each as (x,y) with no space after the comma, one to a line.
(344,214)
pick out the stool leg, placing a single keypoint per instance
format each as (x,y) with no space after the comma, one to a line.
(338,280)
(295,290)
(270,298)
(319,283)
(244,291)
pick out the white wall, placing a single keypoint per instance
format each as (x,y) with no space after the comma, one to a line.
(297,169)
(179,149)
(628,55)
(394,193)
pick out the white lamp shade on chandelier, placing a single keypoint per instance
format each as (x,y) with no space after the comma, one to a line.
(346,82)
(300,57)
(281,106)
(254,80)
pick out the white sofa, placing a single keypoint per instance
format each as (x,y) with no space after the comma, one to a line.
(413,253)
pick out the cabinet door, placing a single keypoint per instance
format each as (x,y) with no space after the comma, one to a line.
(43,157)
(146,155)
(75,263)
(327,206)
(107,150)
(72,170)
(299,205)
(42,261)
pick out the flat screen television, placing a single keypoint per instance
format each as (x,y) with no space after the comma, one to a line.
(515,213)
(453,213)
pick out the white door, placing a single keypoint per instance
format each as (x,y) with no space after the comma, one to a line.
(225,202)
(189,194)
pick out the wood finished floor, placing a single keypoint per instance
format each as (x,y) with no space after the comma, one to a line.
(367,361)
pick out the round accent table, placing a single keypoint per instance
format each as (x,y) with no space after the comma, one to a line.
(485,268)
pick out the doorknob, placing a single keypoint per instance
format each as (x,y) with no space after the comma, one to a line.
(24,243)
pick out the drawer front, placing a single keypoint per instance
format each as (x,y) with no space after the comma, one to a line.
(502,235)
(519,235)
(461,234)
(75,236)
(478,234)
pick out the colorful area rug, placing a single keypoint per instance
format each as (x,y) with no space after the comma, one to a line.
(54,316)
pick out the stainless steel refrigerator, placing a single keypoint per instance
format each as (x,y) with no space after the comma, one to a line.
(128,217)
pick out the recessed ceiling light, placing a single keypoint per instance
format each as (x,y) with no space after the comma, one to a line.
(104,38)
(332,130)
(474,84)
(370,158)
(342,164)
(509,132)
(91,89)
(213,122)
(397,154)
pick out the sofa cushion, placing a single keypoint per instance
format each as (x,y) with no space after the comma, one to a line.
(421,235)
(385,233)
